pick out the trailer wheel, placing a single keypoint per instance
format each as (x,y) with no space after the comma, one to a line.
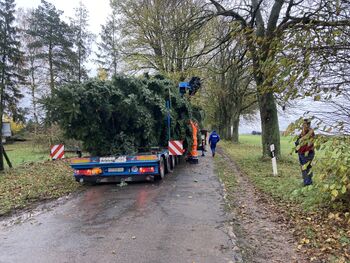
(161,174)
(172,161)
(168,168)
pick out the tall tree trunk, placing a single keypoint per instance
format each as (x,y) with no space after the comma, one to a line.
(79,65)
(33,91)
(224,131)
(269,123)
(228,129)
(35,114)
(235,124)
(52,78)
(267,106)
(2,93)
(79,54)
(221,130)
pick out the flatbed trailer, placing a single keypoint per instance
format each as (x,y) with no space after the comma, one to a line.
(148,166)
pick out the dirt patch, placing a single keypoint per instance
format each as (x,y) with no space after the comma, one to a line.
(263,231)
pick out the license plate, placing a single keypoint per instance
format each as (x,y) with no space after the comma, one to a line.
(147,157)
(120,159)
(107,159)
(81,160)
(115,170)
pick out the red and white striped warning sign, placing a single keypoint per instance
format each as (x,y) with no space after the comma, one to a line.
(57,152)
(175,148)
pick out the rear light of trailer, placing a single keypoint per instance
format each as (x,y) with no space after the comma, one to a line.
(88,172)
(146,170)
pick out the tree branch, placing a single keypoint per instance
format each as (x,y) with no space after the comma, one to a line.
(274,15)
(259,20)
(221,11)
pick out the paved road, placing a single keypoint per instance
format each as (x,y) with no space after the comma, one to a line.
(176,221)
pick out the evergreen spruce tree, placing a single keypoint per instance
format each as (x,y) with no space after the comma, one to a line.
(54,38)
(35,75)
(10,58)
(82,41)
(108,54)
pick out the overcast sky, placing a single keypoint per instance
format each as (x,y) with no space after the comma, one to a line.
(98,12)
(98,9)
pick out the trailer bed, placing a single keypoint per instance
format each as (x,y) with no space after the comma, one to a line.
(140,167)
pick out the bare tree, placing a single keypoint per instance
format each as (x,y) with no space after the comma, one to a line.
(230,92)
(264,24)
(160,35)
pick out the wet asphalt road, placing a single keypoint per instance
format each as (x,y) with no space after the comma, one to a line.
(177,220)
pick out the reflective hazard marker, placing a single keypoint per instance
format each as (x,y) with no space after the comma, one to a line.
(57,152)
(175,148)
(274,161)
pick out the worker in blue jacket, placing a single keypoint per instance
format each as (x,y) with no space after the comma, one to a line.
(214,138)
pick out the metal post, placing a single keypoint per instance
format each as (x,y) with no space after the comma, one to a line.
(168,119)
(274,161)
(6,157)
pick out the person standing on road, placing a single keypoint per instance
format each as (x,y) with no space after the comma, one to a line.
(305,149)
(214,138)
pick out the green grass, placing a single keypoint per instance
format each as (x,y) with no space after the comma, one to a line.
(224,172)
(255,141)
(24,152)
(287,186)
(23,185)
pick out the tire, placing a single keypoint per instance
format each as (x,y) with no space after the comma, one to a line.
(168,166)
(161,174)
(172,162)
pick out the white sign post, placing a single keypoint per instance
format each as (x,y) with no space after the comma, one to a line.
(274,161)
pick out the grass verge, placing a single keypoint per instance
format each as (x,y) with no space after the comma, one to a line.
(223,170)
(24,152)
(23,185)
(287,186)
(321,232)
